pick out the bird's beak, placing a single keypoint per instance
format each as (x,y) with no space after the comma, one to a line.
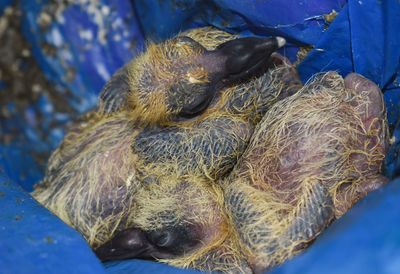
(130,243)
(243,58)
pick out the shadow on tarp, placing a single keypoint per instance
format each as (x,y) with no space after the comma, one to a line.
(91,41)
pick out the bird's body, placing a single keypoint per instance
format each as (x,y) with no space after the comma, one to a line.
(313,156)
(145,178)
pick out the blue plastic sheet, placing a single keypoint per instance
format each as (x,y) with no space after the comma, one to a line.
(300,22)
(33,240)
(140,266)
(91,40)
(78,45)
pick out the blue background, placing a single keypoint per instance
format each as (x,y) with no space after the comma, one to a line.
(95,40)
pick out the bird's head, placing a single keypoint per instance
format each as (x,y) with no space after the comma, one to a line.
(171,220)
(179,78)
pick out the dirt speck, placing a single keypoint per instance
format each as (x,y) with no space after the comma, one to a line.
(329,18)
(19,217)
(49,240)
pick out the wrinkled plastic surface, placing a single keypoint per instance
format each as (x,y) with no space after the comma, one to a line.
(300,22)
(90,40)
(140,266)
(33,240)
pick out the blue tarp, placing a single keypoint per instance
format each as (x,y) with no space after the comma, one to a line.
(33,240)
(90,40)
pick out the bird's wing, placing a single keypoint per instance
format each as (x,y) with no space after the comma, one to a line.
(115,92)
(273,230)
(209,148)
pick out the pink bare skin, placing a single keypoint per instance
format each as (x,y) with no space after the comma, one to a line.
(351,194)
